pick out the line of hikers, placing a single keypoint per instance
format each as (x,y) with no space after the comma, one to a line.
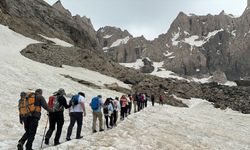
(30,112)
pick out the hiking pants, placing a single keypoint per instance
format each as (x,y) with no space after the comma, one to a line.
(135,103)
(115,116)
(30,126)
(55,118)
(111,123)
(107,121)
(153,102)
(123,111)
(75,117)
(129,107)
(139,105)
(95,116)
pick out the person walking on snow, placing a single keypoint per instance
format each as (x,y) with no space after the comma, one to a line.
(107,111)
(161,99)
(153,99)
(123,101)
(117,108)
(96,105)
(31,120)
(57,102)
(77,110)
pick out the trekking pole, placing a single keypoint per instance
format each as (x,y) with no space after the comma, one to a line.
(44,132)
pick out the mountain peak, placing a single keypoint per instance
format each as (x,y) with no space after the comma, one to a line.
(222,12)
(58,5)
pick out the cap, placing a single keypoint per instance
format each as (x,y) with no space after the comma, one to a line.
(61,91)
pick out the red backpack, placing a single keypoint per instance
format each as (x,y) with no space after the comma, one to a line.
(54,104)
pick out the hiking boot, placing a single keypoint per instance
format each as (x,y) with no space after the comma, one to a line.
(68,139)
(20,146)
(101,130)
(94,131)
(79,137)
(46,141)
(56,143)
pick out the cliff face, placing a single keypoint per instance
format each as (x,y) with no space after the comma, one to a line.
(196,46)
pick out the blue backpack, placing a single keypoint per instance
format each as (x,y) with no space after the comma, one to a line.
(95,103)
(75,100)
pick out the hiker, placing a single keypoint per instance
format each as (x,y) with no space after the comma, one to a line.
(30,112)
(135,102)
(107,111)
(117,108)
(161,100)
(153,99)
(130,99)
(146,99)
(77,110)
(123,102)
(142,99)
(57,102)
(139,102)
(96,105)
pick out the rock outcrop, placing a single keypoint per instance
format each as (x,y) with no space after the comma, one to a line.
(34,17)
(196,46)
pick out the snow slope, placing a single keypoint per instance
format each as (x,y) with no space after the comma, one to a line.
(169,128)
(18,73)
(161,127)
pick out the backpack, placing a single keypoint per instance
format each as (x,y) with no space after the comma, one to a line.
(115,105)
(27,105)
(95,103)
(106,110)
(74,100)
(54,104)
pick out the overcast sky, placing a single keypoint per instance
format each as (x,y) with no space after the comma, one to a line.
(146,17)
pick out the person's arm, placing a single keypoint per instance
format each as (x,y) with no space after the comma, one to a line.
(83,108)
(44,104)
(63,102)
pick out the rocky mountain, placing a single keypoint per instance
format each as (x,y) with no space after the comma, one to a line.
(34,18)
(194,46)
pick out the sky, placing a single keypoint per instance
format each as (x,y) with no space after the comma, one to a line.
(146,17)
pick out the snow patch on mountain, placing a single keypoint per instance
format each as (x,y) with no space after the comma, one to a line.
(57,41)
(120,41)
(136,65)
(194,39)
(107,36)
(175,37)
(233,33)
(168,53)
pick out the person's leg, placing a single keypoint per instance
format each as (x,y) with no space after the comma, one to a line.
(115,117)
(71,125)
(100,121)
(33,124)
(94,121)
(111,120)
(107,121)
(79,125)
(25,135)
(60,122)
(52,124)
